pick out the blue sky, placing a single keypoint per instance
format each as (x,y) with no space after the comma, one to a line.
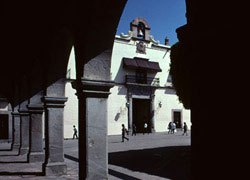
(163,17)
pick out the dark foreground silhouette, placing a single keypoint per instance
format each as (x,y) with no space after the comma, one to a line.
(168,162)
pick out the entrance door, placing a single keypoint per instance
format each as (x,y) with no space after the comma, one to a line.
(141,114)
(177,119)
(4,126)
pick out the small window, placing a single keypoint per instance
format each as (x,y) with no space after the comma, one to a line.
(141,77)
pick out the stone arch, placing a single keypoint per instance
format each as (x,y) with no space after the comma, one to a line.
(51,41)
(137,20)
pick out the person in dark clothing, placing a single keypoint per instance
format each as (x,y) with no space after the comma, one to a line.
(169,127)
(185,129)
(134,130)
(75,132)
(124,131)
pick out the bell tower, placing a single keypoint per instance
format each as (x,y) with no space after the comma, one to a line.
(140,29)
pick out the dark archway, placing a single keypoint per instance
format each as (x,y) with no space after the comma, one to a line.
(38,39)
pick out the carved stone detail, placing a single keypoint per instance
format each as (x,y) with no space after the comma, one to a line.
(127,36)
(141,47)
(151,38)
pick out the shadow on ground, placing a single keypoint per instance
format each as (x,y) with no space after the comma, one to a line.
(168,162)
(22,173)
(121,175)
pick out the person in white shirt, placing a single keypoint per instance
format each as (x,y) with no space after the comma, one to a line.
(173,127)
(145,128)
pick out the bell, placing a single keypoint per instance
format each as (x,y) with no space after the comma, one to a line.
(140,34)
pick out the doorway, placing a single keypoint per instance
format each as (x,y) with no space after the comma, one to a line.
(141,114)
(4,126)
(177,119)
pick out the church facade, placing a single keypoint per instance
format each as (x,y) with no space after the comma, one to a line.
(142,92)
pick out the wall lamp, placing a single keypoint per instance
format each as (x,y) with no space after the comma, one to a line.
(160,104)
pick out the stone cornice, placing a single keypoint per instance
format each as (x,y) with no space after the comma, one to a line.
(93,88)
(35,108)
(15,113)
(56,102)
(23,112)
(160,46)
(95,94)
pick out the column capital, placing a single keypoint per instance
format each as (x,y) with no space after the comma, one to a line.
(35,108)
(56,102)
(23,112)
(15,113)
(92,88)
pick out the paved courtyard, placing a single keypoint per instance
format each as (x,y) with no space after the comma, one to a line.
(155,156)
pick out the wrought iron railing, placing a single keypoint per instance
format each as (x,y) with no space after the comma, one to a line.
(142,80)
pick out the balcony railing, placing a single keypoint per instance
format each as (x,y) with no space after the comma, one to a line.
(142,80)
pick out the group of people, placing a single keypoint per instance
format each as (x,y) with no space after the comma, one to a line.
(125,131)
(172,128)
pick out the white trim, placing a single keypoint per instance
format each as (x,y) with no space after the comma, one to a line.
(140,97)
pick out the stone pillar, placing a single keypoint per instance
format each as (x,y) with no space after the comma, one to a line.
(130,113)
(152,113)
(93,150)
(16,130)
(10,139)
(54,154)
(36,138)
(25,125)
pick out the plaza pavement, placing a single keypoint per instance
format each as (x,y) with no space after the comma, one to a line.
(155,156)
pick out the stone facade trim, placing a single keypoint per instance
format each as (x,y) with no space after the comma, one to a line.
(55,102)
(23,112)
(93,88)
(35,108)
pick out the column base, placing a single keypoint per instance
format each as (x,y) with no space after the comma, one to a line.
(57,168)
(23,151)
(36,157)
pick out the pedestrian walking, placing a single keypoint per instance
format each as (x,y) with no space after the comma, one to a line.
(75,132)
(169,127)
(185,128)
(173,127)
(145,128)
(134,130)
(124,131)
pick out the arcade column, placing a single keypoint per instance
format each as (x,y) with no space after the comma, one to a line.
(130,112)
(16,130)
(152,113)
(93,144)
(36,138)
(25,128)
(54,153)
